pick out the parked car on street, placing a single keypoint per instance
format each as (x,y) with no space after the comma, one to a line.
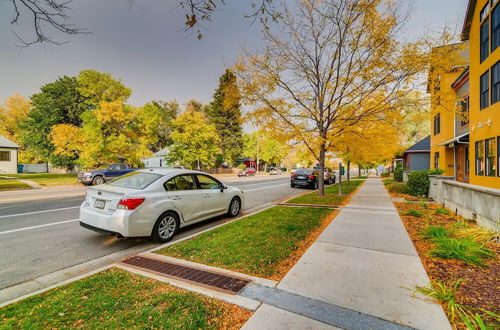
(304,177)
(247,172)
(329,176)
(275,171)
(157,202)
(96,177)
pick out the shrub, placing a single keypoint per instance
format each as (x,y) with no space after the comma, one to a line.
(433,232)
(242,166)
(398,174)
(388,181)
(385,174)
(436,171)
(418,183)
(442,211)
(414,213)
(477,234)
(397,187)
(463,249)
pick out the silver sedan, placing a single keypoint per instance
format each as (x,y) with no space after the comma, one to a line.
(157,202)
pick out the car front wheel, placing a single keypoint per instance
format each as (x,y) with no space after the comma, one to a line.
(165,227)
(234,207)
(97,180)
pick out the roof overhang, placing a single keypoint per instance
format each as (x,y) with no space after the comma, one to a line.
(461,139)
(468,19)
(461,80)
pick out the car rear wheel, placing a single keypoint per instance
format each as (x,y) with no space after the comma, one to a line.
(97,180)
(234,207)
(165,227)
(292,185)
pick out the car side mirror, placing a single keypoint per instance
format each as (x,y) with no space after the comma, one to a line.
(222,187)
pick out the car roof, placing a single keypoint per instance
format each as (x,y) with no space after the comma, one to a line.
(169,171)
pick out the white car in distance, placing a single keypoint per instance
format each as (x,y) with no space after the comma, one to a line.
(157,202)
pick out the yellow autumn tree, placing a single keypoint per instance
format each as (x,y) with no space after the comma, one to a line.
(328,66)
(13,112)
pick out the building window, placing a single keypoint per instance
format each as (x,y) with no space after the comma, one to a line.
(490,152)
(4,156)
(436,160)
(484,11)
(495,28)
(437,124)
(480,158)
(495,83)
(464,112)
(467,164)
(484,102)
(484,39)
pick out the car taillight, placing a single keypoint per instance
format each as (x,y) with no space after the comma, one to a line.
(130,203)
(294,175)
(311,177)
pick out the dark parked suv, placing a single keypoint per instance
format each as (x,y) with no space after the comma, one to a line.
(304,177)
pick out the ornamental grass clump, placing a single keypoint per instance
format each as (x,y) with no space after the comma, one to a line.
(464,249)
(442,211)
(414,213)
(433,232)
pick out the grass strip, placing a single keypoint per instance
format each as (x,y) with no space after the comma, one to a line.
(331,197)
(7,184)
(118,299)
(257,245)
(49,179)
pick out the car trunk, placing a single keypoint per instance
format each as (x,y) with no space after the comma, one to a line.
(105,198)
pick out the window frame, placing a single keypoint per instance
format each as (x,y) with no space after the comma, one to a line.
(495,9)
(495,83)
(479,159)
(8,153)
(220,184)
(436,160)
(488,169)
(437,123)
(486,90)
(484,42)
(195,182)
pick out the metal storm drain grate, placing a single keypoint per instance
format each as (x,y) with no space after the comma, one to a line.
(197,276)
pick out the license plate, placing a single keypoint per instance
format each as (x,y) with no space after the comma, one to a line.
(301,177)
(99,204)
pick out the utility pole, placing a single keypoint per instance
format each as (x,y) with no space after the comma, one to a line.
(257,169)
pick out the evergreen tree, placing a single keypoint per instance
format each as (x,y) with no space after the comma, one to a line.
(224,112)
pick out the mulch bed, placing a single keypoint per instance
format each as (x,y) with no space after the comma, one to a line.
(481,285)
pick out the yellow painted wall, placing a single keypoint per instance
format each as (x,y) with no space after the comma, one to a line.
(476,115)
(446,107)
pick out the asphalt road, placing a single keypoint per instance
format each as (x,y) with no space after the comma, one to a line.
(40,233)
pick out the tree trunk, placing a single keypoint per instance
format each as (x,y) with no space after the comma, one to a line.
(321,183)
(348,171)
(359,170)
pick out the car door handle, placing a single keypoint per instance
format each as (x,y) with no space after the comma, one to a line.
(206,195)
(175,198)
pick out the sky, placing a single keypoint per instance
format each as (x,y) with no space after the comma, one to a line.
(148,49)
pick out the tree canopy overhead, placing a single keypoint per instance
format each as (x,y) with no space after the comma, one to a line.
(330,65)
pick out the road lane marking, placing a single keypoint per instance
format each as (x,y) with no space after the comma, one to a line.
(268,187)
(41,197)
(37,212)
(35,227)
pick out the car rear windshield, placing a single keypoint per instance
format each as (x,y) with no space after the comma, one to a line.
(135,180)
(306,172)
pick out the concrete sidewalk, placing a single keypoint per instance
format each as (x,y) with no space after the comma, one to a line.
(363,262)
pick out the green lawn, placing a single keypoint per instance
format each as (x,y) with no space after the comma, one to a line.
(118,299)
(48,179)
(331,194)
(7,184)
(255,245)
